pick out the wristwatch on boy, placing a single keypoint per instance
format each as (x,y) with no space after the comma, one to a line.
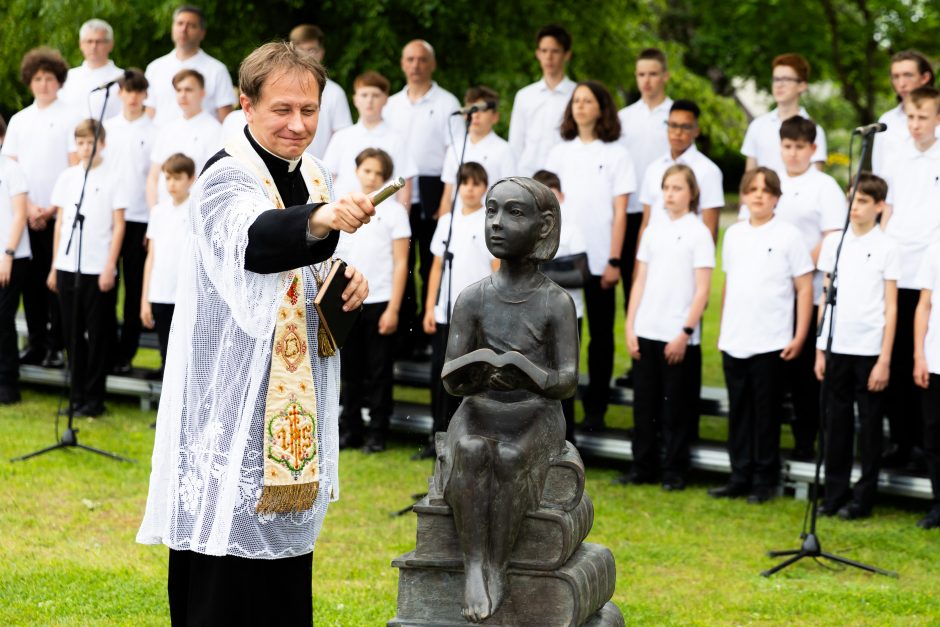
(688,331)
(614,262)
(9,252)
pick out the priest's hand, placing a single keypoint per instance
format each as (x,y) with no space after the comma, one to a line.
(346,214)
(356,291)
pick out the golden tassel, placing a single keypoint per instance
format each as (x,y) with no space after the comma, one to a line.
(281,499)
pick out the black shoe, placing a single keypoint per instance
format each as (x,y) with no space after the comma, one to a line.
(90,410)
(761,494)
(803,454)
(349,440)
(675,484)
(9,394)
(626,381)
(895,457)
(829,509)
(32,357)
(374,444)
(122,368)
(53,359)
(633,478)
(730,490)
(64,411)
(427,452)
(932,520)
(854,511)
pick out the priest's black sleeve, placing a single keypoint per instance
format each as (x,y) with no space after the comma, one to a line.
(277,241)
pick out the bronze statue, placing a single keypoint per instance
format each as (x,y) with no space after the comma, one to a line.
(511,356)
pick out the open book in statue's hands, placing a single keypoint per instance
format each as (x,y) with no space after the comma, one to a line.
(512,369)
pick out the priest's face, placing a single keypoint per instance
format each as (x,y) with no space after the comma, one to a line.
(284,120)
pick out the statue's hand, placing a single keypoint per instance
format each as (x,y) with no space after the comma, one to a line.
(502,381)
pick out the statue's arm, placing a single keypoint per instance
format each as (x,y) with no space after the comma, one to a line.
(563,375)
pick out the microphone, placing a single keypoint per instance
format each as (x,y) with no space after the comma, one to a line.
(871,129)
(109,84)
(470,110)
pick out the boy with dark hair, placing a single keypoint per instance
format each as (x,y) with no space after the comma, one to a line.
(13,267)
(196,133)
(538,108)
(766,267)
(483,146)
(909,70)
(470,261)
(334,108)
(131,135)
(166,234)
(912,220)
(90,305)
(762,141)
(865,320)
(370,93)
(380,251)
(927,372)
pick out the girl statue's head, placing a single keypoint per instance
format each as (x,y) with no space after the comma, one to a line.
(523,220)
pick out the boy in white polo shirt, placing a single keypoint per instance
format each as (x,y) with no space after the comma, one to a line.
(927,371)
(913,221)
(484,146)
(762,140)
(13,266)
(470,261)
(909,70)
(380,251)
(865,315)
(766,266)
(94,298)
(196,134)
(131,135)
(166,234)
(370,93)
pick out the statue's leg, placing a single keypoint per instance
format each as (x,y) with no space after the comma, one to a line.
(470,495)
(509,505)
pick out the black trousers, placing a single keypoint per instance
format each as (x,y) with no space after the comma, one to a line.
(39,304)
(754,397)
(932,434)
(904,399)
(420,259)
(133,256)
(93,312)
(846,386)
(628,254)
(600,307)
(207,590)
(443,405)
(367,360)
(664,403)
(9,303)
(804,390)
(162,319)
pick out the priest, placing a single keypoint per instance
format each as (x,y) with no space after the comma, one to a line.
(245,459)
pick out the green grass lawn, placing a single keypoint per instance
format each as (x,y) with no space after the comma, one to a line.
(69,518)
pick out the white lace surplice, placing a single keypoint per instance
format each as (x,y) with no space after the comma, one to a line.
(207,459)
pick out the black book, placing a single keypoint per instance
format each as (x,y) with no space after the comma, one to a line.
(329,303)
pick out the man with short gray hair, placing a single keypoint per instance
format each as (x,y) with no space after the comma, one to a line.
(96,40)
(188,31)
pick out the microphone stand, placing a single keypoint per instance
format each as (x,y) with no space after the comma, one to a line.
(448,272)
(811,546)
(69,438)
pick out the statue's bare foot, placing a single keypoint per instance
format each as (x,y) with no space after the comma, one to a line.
(476,601)
(497,585)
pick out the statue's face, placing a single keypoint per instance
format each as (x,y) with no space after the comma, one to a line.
(513,222)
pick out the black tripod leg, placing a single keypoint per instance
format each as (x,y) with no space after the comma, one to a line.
(106,453)
(799,555)
(784,553)
(39,452)
(854,564)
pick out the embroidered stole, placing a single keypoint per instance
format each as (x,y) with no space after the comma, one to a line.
(291,455)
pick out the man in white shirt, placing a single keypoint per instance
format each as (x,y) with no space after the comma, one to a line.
(334,109)
(370,95)
(421,113)
(762,141)
(188,31)
(197,134)
(96,40)
(538,108)
(909,70)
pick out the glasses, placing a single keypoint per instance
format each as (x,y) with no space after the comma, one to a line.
(785,79)
(680,128)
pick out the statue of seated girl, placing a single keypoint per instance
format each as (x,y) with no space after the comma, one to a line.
(512,354)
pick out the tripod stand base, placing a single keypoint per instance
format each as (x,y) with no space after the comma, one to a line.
(69,439)
(811,548)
